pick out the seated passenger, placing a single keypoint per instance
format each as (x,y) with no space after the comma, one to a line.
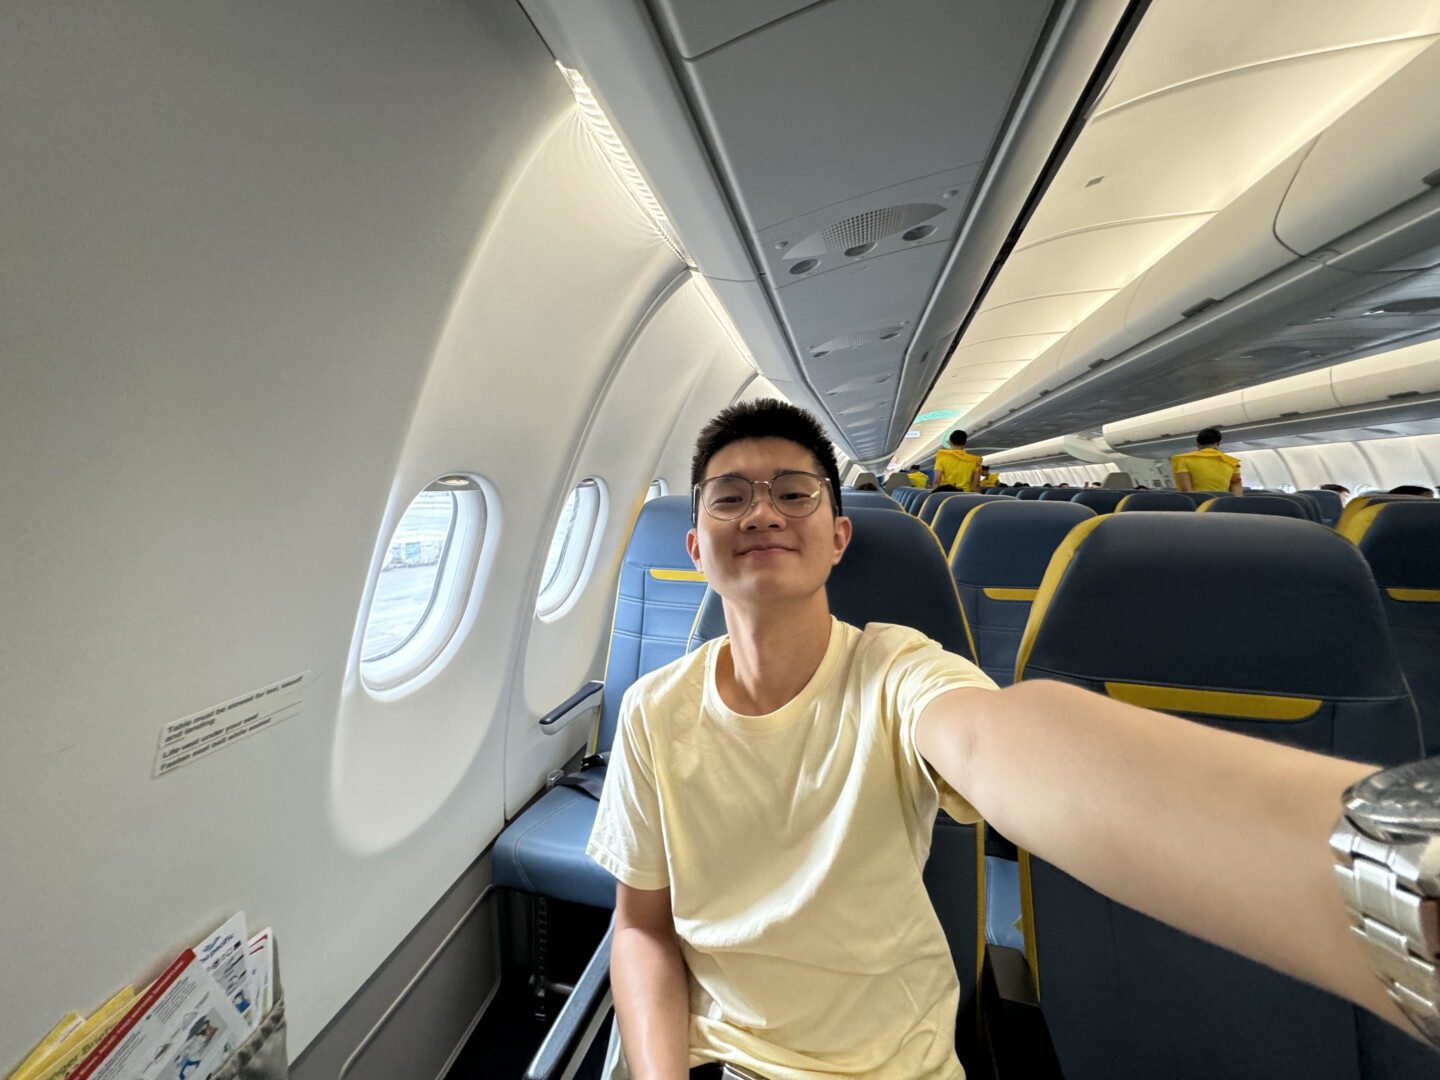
(867,487)
(1339,489)
(771,795)
(1205,468)
(946,487)
(918,479)
(954,465)
(1412,489)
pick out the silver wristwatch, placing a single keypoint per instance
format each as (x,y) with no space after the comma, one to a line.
(1387,854)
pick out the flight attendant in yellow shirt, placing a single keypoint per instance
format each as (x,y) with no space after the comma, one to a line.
(1206,468)
(954,466)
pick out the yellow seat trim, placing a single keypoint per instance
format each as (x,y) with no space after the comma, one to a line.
(1359,514)
(677,575)
(1416,596)
(1027,921)
(1214,702)
(1050,582)
(1011,594)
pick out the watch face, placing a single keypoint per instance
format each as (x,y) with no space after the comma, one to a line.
(1406,797)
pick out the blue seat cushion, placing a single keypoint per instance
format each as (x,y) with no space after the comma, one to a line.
(543,851)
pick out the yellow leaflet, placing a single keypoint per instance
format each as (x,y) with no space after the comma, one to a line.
(61,1061)
(58,1034)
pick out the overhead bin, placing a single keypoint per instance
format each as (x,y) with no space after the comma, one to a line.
(1397,387)
(1231,306)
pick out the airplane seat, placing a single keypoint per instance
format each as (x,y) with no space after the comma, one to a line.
(1401,542)
(1199,497)
(875,500)
(1057,494)
(894,572)
(915,499)
(1034,493)
(543,850)
(989,489)
(1235,624)
(952,513)
(1355,508)
(1155,500)
(867,478)
(998,560)
(1101,500)
(1014,493)
(1271,505)
(1327,502)
(931,506)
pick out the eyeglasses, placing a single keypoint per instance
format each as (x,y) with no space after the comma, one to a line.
(794,494)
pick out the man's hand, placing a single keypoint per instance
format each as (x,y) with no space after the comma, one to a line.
(647,976)
(1222,835)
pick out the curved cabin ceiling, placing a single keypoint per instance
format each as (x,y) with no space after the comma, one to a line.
(1206,100)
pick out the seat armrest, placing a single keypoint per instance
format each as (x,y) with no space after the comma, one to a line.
(580,1019)
(572,708)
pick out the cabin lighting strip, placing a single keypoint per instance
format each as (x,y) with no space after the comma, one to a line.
(604,132)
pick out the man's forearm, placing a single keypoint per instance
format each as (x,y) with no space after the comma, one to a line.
(652,1004)
(1220,835)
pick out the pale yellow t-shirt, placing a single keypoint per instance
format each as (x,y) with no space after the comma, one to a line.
(793,846)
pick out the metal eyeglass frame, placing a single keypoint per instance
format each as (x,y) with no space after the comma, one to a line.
(769,491)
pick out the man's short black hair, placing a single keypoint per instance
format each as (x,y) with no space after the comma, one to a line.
(766,418)
(1412,489)
(958,437)
(1208,437)
(1340,489)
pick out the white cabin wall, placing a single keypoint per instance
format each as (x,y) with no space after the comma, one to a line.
(716,388)
(271,268)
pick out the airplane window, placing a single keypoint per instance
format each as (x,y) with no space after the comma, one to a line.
(657,488)
(424,582)
(572,549)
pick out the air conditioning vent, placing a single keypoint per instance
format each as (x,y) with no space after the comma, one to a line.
(856,339)
(864,230)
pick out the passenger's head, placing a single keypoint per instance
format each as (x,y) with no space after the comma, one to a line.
(1208,437)
(957,438)
(947,487)
(866,487)
(765,495)
(1412,489)
(1339,489)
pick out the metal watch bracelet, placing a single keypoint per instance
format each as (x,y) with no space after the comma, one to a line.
(1399,924)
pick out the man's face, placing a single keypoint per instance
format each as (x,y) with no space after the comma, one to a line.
(764,557)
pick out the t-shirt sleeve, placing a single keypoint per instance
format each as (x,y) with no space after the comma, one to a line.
(921,672)
(627,838)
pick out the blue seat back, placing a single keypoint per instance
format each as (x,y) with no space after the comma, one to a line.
(1199,497)
(873,500)
(1328,502)
(1401,542)
(1101,500)
(1059,494)
(997,561)
(913,498)
(931,506)
(952,514)
(1233,623)
(1269,505)
(1156,500)
(655,603)
(1033,493)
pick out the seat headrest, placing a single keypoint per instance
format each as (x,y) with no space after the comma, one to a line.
(1101,500)
(1058,494)
(658,538)
(1156,500)
(1270,505)
(953,511)
(1033,492)
(1401,541)
(1328,501)
(1196,600)
(871,499)
(1008,544)
(892,572)
(933,502)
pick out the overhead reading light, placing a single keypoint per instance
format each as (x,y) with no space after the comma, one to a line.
(604,132)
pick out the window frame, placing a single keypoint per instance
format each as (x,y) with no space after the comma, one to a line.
(456,590)
(555,598)
(658,489)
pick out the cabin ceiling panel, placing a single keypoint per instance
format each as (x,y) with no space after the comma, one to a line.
(938,79)
(702,25)
(1207,99)
(1032,315)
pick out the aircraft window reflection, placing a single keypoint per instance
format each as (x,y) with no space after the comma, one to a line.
(410,576)
(570,548)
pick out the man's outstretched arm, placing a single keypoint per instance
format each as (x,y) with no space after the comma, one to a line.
(647,977)
(1221,835)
